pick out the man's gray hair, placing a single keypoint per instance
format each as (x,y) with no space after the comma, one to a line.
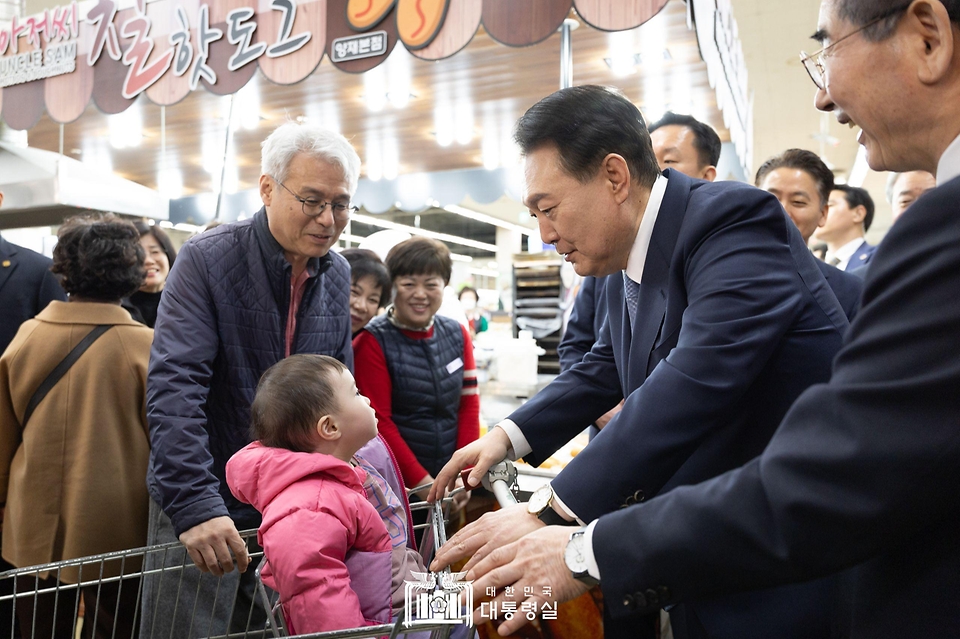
(860,12)
(289,139)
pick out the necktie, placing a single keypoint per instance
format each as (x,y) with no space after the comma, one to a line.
(631,293)
(834,261)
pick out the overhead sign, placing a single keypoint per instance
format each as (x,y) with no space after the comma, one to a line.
(114,51)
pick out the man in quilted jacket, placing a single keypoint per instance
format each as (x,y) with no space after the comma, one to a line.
(239,299)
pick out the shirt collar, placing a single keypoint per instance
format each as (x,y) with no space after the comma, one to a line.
(949,166)
(638,254)
(845,252)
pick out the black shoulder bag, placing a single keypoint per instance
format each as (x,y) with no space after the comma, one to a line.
(62,369)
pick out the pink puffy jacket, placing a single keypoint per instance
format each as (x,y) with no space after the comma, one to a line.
(328,550)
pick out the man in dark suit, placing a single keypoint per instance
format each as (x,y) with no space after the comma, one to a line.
(802,183)
(26,287)
(850,215)
(720,320)
(864,472)
(680,142)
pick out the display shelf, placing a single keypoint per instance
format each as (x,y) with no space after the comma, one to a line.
(538,294)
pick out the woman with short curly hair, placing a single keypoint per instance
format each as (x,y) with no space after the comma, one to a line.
(73,464)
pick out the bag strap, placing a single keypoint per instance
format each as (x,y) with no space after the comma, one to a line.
(62,368)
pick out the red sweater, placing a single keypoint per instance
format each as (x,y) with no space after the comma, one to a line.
(373,380)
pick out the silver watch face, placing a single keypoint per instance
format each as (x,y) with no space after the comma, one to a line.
(539,500)
(573,554)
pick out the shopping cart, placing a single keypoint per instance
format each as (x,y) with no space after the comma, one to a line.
(104,589)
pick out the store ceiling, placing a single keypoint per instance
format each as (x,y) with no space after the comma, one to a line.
(476,95)
(459,111)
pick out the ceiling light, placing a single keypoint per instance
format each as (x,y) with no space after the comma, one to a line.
(170,183)
(126,128)
(374,157)
(374,89)
(443,237)
(487,219)
(464,122)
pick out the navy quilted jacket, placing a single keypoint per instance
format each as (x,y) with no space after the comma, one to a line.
(221,324)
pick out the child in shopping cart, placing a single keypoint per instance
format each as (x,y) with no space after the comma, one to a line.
(334,533)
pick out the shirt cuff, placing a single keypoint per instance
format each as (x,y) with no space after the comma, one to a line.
(518,443)
(593,568)
(564,509)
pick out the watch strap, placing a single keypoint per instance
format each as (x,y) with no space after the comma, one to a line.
(552,518)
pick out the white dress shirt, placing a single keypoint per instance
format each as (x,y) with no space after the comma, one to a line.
(844,253)
(635,261)
(949,166)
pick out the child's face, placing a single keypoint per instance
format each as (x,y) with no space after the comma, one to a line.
(356,418)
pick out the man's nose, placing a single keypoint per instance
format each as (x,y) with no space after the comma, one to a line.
(325,218)
(547,233)
(823,102)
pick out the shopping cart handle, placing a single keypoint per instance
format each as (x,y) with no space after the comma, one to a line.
(500,480)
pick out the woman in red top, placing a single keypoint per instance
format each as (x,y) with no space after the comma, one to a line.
(417,368)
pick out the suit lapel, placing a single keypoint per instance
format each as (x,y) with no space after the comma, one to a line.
(652,303)
(7,264)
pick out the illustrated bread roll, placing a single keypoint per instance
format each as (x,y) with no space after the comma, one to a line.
(418,21)
(364,14)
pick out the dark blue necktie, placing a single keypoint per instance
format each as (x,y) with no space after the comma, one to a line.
(631,293)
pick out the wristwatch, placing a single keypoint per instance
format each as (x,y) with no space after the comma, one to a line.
(541,507)
(576,559)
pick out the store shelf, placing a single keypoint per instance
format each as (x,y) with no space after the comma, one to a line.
(538,295)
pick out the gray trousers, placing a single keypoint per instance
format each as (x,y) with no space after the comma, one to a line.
(180,602)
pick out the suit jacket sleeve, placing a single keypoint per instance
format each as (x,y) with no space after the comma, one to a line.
(742,297)
(576,397)
(580,335)
(185,344)
(858,465)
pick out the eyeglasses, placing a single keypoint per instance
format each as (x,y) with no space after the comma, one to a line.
(313,207)
(814,62)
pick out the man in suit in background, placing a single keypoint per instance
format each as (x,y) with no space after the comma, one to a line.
(848,220)
(802,183)
(682,143)
(26,287)
(904,188)
(864,472)
(719,321)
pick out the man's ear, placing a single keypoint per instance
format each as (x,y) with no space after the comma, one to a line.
(327,429)
(824,212)
(1,198)
(709,174)
(932,40)
(616,172)
(266,189)
(860,214)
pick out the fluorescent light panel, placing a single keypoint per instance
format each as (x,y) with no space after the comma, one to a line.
(443,237)
(488,219)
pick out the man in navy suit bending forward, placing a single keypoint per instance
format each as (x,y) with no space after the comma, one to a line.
(721,321)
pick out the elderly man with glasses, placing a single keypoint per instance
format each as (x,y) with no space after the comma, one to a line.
(863,474)
(239,299)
